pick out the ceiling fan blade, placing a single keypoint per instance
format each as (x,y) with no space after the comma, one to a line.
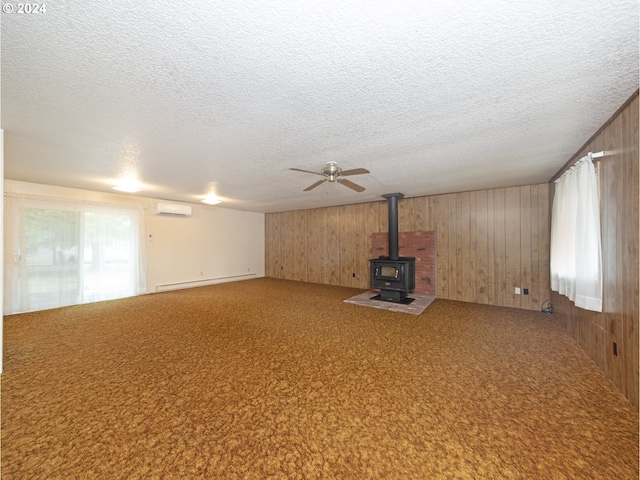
(351,185)
(354,171)
(305,171)
(311,187)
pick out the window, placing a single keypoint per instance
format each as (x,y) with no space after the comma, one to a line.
(576,256)
(68,253)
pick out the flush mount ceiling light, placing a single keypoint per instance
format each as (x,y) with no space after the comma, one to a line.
(211,199)
(128,185)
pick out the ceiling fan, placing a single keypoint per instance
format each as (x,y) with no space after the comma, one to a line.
(333,173)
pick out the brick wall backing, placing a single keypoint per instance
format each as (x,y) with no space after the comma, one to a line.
(422,246)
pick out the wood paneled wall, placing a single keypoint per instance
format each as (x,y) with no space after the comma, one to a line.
(596,332)
(488,243)
(491,241)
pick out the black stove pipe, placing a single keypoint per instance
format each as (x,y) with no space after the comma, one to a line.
(392,200)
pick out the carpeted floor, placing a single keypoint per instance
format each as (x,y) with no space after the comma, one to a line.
(271,379)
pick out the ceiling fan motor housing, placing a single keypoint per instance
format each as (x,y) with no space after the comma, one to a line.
(332,170)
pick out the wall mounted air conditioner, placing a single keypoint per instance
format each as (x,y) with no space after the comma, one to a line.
(173,209)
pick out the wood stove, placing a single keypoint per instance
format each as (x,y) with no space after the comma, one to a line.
(393,275)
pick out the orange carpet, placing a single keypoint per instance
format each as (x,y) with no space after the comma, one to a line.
(272,379)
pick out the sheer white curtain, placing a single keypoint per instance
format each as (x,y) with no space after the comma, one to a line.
(576,256)
(60,253)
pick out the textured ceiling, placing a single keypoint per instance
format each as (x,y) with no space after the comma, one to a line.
(225,96)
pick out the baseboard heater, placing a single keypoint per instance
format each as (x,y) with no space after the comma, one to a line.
(202,283)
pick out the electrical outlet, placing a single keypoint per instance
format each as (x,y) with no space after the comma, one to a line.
(517,290)
(526,291)
(353,275)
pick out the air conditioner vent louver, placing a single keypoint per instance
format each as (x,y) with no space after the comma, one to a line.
(173,209)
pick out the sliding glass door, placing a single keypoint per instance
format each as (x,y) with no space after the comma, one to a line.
(66,254)
(50,259)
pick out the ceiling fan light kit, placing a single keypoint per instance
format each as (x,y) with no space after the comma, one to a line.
(333,173)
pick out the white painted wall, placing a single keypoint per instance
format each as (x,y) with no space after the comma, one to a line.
(214,245)
(2,249)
